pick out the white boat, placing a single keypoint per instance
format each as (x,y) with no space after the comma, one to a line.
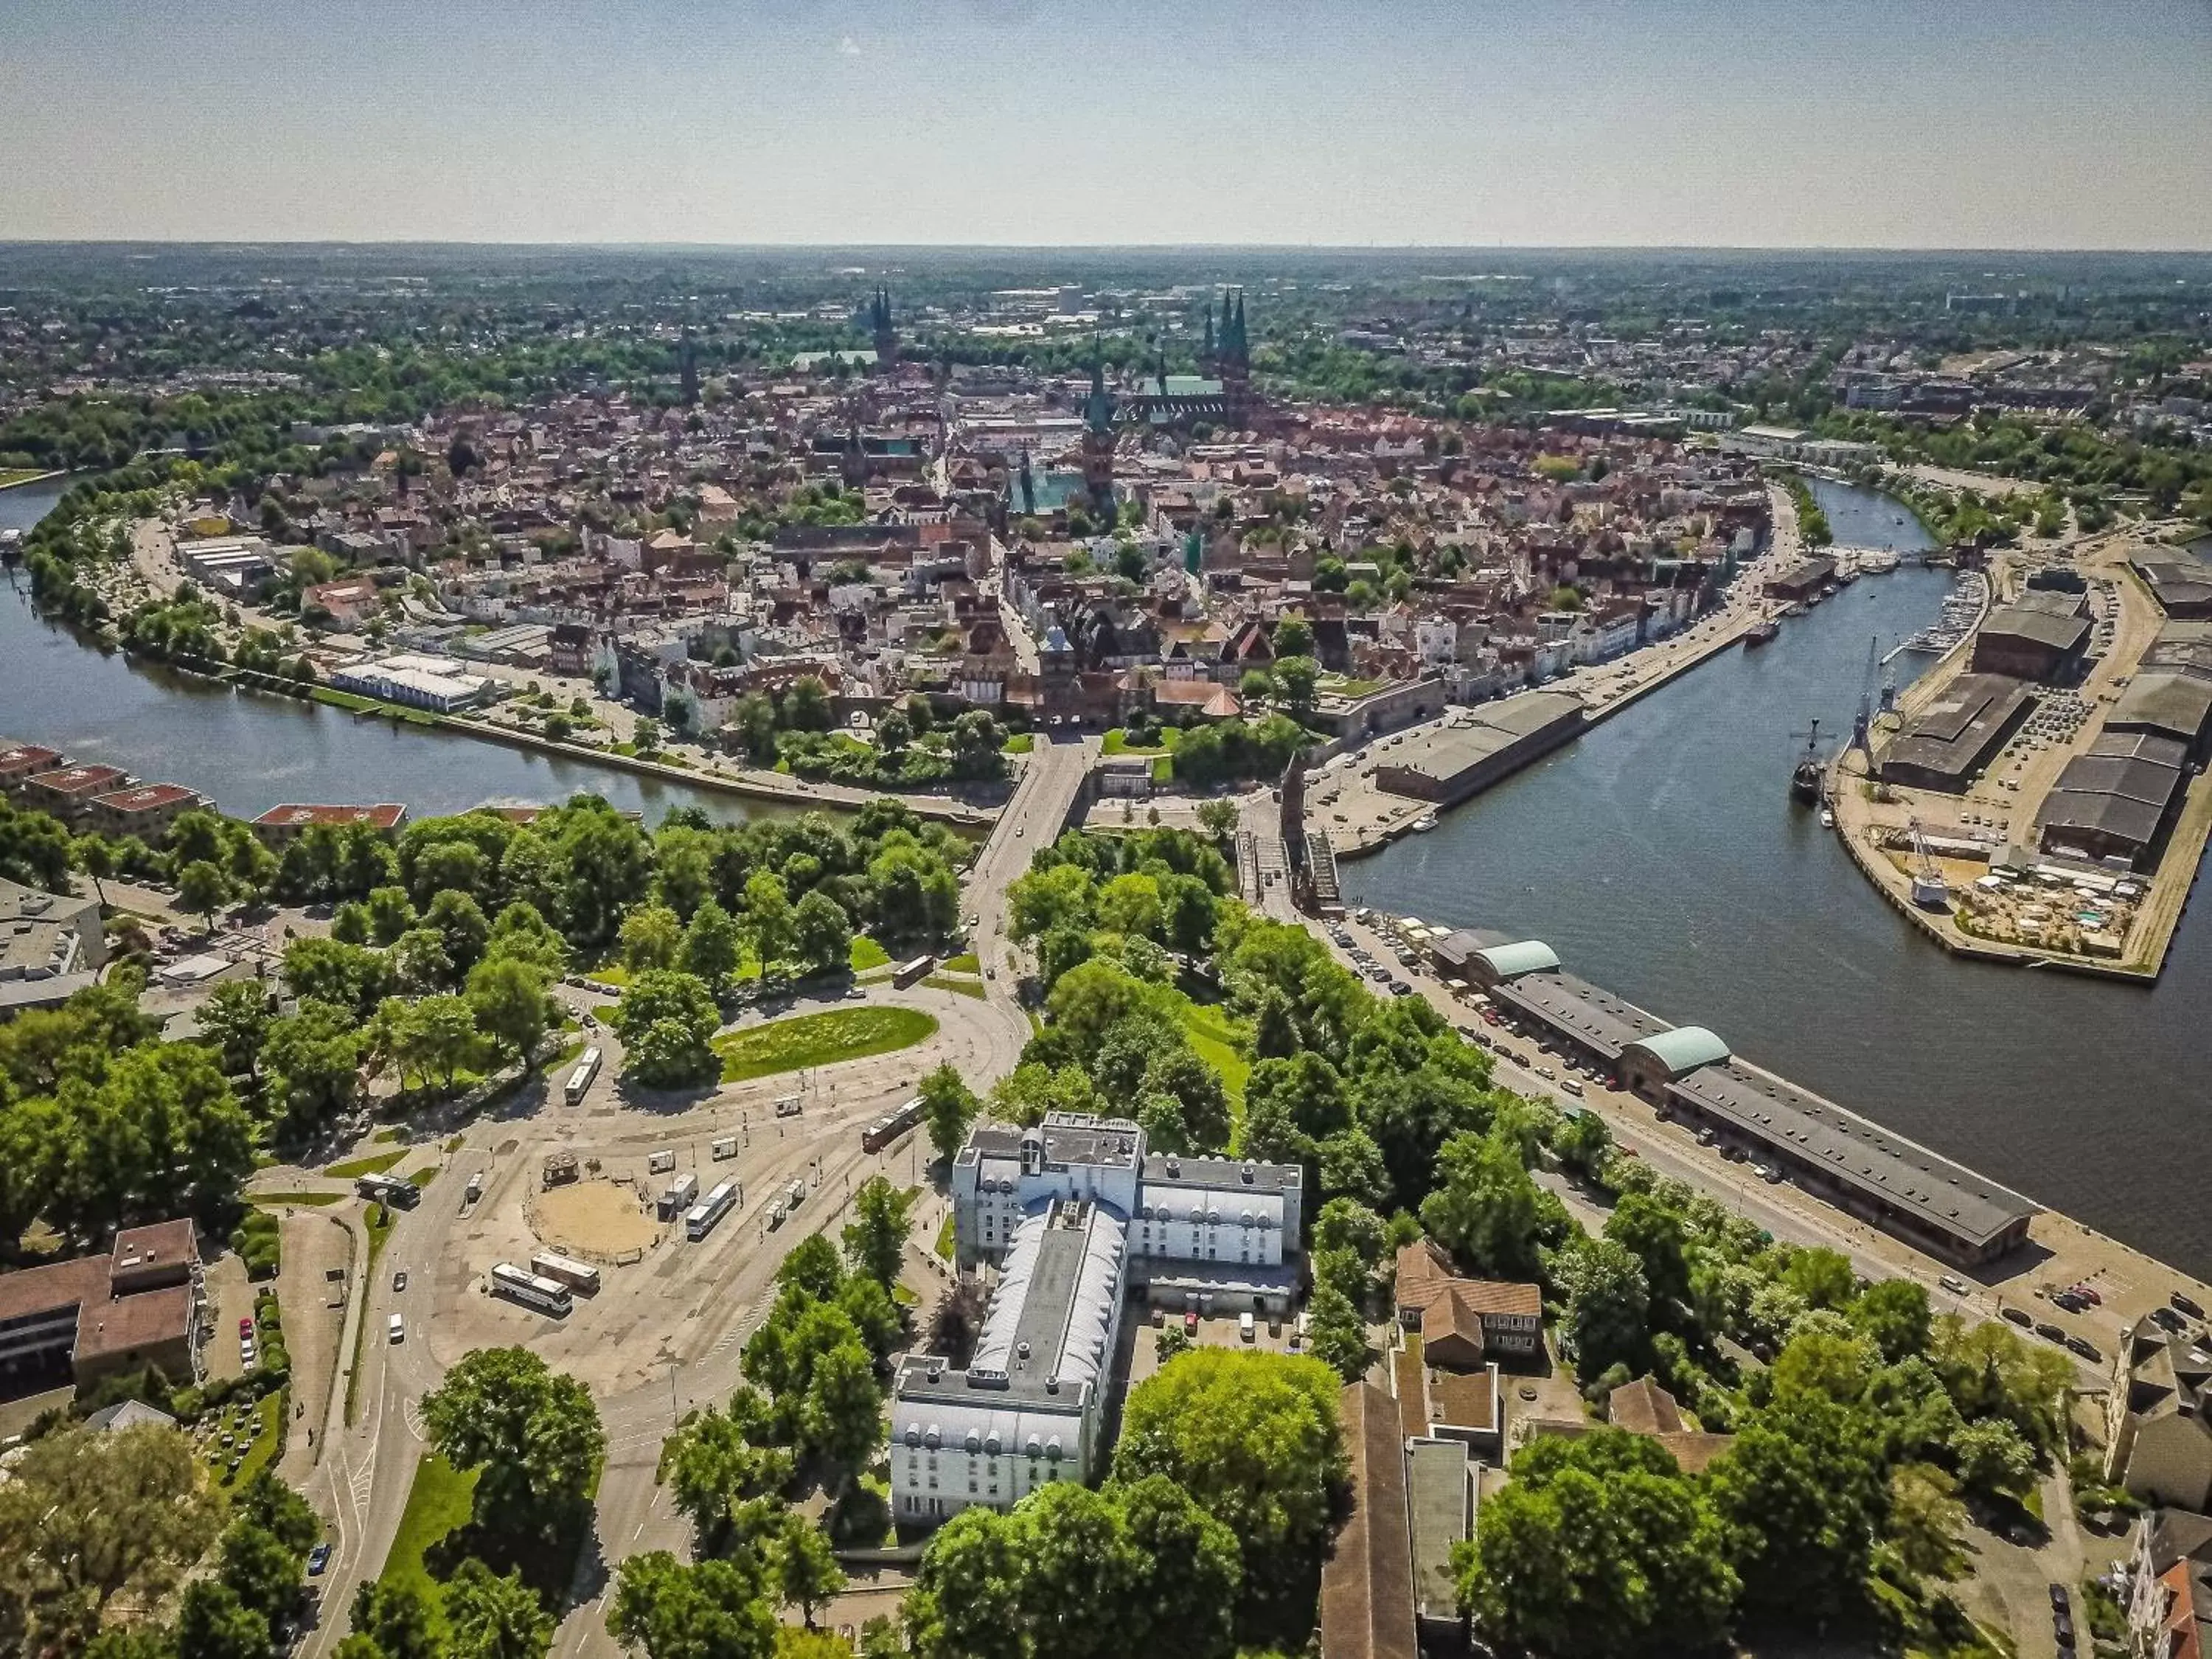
(1425,822)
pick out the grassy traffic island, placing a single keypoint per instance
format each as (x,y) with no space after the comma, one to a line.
(811,1040)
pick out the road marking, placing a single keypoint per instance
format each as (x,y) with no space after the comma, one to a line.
(410,1413)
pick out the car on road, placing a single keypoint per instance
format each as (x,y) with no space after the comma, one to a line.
(1572,1087)
(2083,1347)
(2019,1316)
(318,1558)
(399,1280)
(1400,988)
(1953,1284)
(399,1329)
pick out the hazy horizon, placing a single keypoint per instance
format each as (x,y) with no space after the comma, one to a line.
(2003,126)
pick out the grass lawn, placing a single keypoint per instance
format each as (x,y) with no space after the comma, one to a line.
(268,1439)
(789,1045)
(1117,742)
(374,1163)
(945,1237)
(1020,744)
(269,1201)
(966,988)
(1214,1039)
(867,954)
(967,964)
(609,972)
(439,1502)
(422,1177)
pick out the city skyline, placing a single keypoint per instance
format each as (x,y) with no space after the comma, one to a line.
(1865,123)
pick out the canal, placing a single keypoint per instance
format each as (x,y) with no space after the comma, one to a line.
(1661,857)
(248,751)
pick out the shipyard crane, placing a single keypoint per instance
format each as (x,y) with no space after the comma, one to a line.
(1930,890)
(1862,723)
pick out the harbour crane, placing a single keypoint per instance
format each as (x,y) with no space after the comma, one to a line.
(1862,723)
(1930,890)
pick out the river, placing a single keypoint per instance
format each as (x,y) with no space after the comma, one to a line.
(248,751)
(1660,856)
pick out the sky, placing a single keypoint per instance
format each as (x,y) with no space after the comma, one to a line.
(2021,123)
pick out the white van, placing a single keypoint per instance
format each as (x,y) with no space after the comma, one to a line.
(398,1328)
(1245,1331)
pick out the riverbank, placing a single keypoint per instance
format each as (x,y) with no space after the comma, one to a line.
(743,785)
(20,480)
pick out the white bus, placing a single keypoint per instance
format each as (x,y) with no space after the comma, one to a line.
(547,1296)
(566,1270)
(708,1212)
(580,1078)
(908,973)
(387,1189)
(680,1195)
(794,1195)
(724,1148)
(791,1106)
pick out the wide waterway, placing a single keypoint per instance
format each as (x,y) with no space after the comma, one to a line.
(249,751)
(1661,857)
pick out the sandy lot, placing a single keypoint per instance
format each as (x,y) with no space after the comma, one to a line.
(314,1305)
(595,1217)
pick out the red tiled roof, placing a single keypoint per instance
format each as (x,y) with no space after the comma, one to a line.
(145,798)
(384,816)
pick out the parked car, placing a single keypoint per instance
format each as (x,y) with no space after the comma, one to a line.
(1400,988)
(318,1558)
(2068,1301)
(2088,1293)
(2085,1347)
(2019,1316)
(2050,1333)
(1190,1324)
(2187,1305)
(2166,1319)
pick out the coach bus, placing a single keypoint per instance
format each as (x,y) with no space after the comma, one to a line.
(566,1270)
(884,1130)
(385,1189)
(580,1078)
(547,1296)
(708,1212)
(907,973)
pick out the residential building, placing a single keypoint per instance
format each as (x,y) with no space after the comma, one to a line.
(68,792)
(1465,1322)
(84,1320)
(2158,1417)
(145,810)
(51,946)
(2169,1606)
(280,826)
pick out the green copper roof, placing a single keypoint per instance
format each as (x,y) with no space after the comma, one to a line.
(1530,956)
(1683,1049)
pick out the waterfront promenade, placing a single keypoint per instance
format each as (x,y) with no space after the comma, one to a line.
(1361,818)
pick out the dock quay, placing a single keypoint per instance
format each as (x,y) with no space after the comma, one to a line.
(1677,1096)
(2046,780)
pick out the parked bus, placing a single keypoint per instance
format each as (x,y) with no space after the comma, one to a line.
(473,1193)
(710,1211)
(580,1078)
(680,1195)
(794,1195)
(884,1130)
(724,1148)
(547,1296)
(659,1163)
(387,1190)
(907,973)
(566,1270)
(791,1106)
